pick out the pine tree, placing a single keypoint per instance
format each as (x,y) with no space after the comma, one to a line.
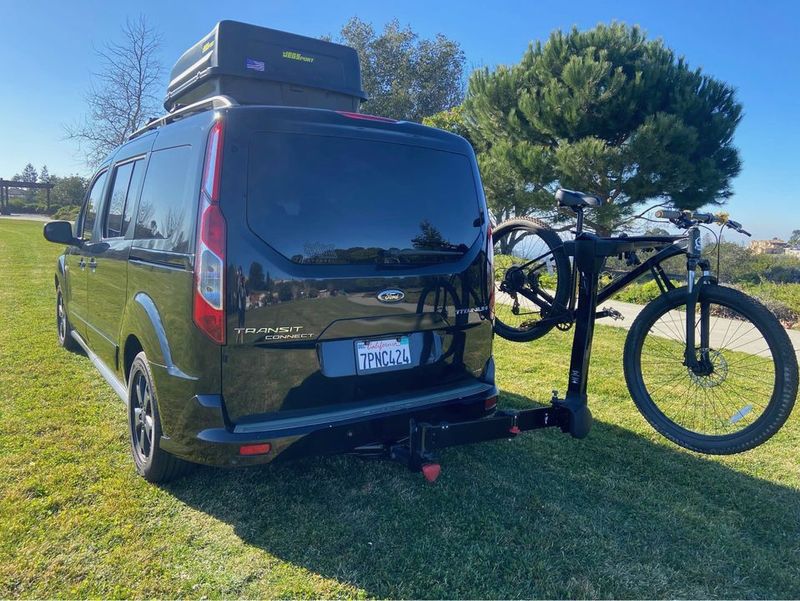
(29,174)
(609,112)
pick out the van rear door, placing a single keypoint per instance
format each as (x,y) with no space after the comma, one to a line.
(364,278)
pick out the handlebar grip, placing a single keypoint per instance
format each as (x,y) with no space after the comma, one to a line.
(667,214)
(704,217)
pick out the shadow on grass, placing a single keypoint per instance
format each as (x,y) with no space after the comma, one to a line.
(613,515)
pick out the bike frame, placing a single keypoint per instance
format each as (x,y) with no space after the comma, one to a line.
(589,253)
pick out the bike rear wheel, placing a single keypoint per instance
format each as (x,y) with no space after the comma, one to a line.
(531,278)
(738,395)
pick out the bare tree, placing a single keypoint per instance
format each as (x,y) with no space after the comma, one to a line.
(122,96)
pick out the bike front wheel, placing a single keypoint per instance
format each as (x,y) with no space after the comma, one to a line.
(743,386)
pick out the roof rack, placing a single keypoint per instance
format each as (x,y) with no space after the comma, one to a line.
(214,102)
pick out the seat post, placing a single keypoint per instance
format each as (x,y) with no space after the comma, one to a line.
(579,222)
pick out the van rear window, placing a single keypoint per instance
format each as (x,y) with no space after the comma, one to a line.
(335,200)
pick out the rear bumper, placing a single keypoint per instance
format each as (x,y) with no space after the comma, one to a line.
(205,435)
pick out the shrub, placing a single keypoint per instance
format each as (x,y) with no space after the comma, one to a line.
(782,299)
(68,213)
(783,273)
(640,294)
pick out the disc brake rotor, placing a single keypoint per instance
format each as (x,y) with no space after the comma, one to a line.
(718,374)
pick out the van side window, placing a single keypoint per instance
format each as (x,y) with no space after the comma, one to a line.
(92,204)
(133,194)
(124,190)
(168,204)
(116,201)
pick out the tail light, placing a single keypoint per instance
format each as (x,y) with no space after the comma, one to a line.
(490,270)
(209,262)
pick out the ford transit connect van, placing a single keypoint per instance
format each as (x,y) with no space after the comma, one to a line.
(262,282)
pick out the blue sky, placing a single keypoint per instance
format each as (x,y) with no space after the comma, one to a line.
(48,59)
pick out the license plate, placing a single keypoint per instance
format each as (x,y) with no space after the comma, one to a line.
(382,355)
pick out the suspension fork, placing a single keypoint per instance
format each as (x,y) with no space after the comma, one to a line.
(694,261)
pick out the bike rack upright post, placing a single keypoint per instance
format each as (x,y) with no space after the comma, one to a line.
(588,262)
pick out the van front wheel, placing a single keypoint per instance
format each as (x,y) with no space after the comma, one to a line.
(63,327)
(152,462)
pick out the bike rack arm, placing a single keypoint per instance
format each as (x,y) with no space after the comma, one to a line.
(425,439)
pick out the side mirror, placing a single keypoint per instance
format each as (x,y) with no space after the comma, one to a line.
(60,232)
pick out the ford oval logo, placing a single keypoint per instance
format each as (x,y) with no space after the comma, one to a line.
(391,296)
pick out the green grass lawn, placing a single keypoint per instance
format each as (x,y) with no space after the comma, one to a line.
(622,513)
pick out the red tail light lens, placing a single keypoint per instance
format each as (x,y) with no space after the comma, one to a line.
(209,260)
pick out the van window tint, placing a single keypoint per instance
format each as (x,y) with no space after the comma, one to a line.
(92,204)
(168,204)
(334,200)
(116,201)
(133,193)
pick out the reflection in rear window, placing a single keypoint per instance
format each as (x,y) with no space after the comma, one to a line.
(331,200)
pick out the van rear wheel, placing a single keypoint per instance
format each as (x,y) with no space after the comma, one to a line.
(152,462)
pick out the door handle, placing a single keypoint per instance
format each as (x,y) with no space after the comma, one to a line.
(92,265)
(82,264)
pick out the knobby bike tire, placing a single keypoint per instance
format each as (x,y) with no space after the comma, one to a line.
(563,272)
(785,384)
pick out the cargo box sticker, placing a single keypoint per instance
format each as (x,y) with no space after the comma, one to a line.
(297,56)
(255,65)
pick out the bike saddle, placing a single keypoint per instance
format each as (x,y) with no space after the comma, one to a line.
(574,199)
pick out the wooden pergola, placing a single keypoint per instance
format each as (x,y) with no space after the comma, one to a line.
(6,184)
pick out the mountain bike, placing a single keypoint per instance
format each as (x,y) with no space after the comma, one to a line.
(709,367)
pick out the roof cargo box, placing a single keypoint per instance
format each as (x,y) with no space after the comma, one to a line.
(257,65)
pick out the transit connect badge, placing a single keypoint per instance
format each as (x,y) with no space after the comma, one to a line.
(391,295)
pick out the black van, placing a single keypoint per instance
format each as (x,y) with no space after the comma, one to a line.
(264,282)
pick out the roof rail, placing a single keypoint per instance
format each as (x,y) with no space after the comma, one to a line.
(214,102)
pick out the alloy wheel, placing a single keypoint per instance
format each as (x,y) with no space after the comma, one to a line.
(61,320)
(143,423)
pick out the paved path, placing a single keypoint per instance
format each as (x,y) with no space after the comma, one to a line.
(28,217)
(729,331)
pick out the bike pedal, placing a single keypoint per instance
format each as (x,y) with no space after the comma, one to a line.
(612,313)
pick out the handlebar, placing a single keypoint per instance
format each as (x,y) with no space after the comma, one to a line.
(667,214)
(687,219)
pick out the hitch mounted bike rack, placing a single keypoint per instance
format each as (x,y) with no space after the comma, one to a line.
(419,454)
(571,414)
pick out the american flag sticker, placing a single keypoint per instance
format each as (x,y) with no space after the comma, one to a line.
(253,64)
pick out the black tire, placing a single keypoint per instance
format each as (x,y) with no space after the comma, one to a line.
(504,323)
(753,378)
(63,327)
(151,461)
